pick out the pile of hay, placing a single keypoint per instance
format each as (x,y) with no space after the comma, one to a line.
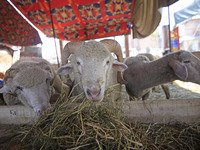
(80,126)
(100,126)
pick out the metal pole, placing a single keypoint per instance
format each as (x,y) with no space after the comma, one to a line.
(53,33)
(169,32)
(61,47)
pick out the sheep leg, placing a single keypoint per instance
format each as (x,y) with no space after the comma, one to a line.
(131,98)
(166,90)
(146,96)
(154,89)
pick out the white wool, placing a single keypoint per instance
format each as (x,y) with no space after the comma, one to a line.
(31,76)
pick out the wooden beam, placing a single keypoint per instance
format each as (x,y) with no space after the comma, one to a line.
(17,114)
(149,111)
(163,111)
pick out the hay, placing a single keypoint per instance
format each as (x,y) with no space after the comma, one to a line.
(85,125)
(100,126)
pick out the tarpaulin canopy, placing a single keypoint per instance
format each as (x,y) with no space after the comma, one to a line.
(14,29)
(78,19)
(188,12)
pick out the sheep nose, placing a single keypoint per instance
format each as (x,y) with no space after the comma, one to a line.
(40,110)
(93,93)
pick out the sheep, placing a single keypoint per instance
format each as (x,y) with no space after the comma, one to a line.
(164,86)
(180,65)
(94,67)
(138,60)
(29,81)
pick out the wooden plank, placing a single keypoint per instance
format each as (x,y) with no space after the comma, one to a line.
(150,111)
(17,114)
(163,111)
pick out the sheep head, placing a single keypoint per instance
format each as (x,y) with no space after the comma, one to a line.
(185,65)
(93,63)
(30,84)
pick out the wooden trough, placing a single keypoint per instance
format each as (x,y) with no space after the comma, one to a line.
(150,111)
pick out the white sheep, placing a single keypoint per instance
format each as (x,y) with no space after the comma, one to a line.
(29,81)
(94,67)
(180,65)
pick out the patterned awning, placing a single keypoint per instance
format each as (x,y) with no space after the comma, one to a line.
(14,29)
(79,19)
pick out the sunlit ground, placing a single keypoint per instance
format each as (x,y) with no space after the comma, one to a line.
(178,90)
(188,85)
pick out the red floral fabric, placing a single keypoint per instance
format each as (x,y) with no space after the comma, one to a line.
(14,29)
(79,19)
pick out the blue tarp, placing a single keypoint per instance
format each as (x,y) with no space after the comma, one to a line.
(188,12)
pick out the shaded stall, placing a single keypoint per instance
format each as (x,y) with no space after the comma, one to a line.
(82,20)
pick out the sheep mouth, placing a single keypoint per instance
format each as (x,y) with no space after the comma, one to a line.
(94,96)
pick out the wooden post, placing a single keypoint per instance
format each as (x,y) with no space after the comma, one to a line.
(127,45)
(61,47)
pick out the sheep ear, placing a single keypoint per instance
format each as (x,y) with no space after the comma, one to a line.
(5,89)
(65,69)
(119,66)
(180,70)
(44,66)
(10,73)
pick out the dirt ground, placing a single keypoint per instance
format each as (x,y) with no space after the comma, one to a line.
(178,89)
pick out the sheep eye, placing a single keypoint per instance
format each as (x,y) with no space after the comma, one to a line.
(19,88)
(78,63)
(48,81)
(107,62)
(187,61)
